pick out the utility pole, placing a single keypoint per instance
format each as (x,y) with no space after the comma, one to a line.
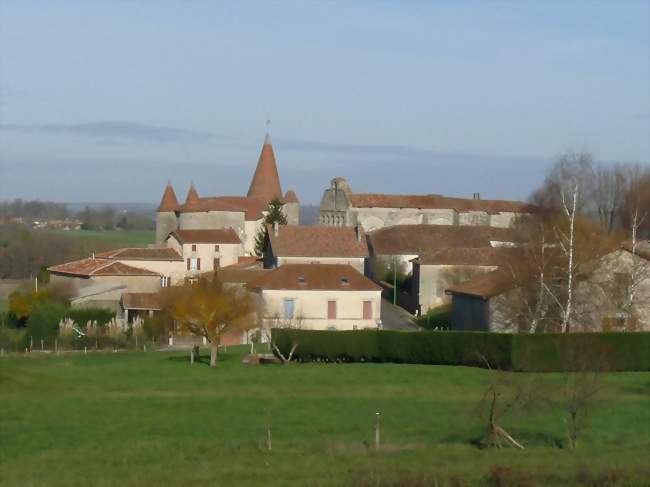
(394,281)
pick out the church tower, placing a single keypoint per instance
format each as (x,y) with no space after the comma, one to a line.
(166,219)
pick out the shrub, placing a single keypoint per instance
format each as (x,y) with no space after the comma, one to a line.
(82,316)
(43,322)
(12,339)
(541,352)
(436,318)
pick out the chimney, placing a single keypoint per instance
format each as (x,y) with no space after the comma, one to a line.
(357,231)
(276,229)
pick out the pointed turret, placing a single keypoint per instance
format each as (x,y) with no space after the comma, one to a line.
(168,201)
(266,182)
(192,195)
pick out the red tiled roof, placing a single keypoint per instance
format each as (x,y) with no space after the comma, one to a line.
(216,236)
(485,285)
(266,182)
(252,207)
(434,201)
(145,301)
(169,202)
(307,241)
(192,196)
(482,256)
(429,239)
(322,277)
(99,267)
(239,275)
(139,253)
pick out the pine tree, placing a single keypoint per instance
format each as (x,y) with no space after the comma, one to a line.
(275,215)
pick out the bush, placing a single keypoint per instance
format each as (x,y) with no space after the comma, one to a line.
(43,322)
(436,318)
(81,316)
(542,352)
(12,339)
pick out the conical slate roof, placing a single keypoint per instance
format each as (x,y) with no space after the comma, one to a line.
(266,182)
(168,201)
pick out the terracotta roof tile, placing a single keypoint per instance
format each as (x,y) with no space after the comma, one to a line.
(216,236)
(141,253)
(429,239)
(239,275)
(99,267)
(322,277)
(485,285)
(169,202)
(266,182)
(192,196)
(252,207)
(307,241)
(481,256)
(145,301)
(435,201)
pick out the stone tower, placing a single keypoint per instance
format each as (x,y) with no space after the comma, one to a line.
(166,218)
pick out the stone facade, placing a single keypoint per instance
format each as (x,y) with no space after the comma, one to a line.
(340,206)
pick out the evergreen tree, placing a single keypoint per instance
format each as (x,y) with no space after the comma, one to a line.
(275,215)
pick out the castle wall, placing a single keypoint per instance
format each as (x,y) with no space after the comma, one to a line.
(166,222)
(210,220)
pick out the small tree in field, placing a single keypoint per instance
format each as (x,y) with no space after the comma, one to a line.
(210,310)
(275,215)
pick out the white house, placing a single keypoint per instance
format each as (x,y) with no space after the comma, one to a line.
(206,250)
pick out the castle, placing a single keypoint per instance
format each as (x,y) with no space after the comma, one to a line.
(244,214)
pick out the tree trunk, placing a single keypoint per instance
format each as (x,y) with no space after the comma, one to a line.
(213,355)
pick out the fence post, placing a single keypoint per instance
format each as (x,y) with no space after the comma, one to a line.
(41,344)
(2,352)
(192,357)
(56,346)
(144,347)
(377,433)
(269,444)
(31,343)
(85,350)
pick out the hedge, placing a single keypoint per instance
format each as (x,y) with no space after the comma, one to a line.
(541,352)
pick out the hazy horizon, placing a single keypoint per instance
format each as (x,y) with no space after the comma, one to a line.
(107,101)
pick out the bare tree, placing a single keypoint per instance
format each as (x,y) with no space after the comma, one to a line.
(608,193)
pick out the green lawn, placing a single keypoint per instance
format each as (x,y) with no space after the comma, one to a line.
(152,419)
(121,238)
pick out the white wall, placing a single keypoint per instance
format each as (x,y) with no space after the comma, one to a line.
(310,308)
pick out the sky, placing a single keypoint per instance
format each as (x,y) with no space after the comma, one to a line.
(106,101)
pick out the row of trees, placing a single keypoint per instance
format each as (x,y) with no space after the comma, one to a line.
(33,210)
(590,210)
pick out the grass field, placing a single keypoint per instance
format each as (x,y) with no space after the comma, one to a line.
(121,238)
(152,419)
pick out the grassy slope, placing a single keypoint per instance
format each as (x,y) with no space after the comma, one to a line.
(120,238)
(151,419)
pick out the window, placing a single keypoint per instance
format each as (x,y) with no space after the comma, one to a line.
(367,310)
(345,281)
(193,247)
(164,281)
(216,248)
(331,310)
(289,305)
(193,264)
(302,281)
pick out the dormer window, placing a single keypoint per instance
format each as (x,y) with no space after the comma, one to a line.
(302,281)
(345,281)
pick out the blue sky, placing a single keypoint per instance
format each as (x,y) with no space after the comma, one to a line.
(107,100)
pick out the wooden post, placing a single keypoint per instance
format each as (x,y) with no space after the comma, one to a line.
(31,343)
(192,357)
(144,347)
(56,346)
(251,348)
(85,350)
(41,345)
(377,433)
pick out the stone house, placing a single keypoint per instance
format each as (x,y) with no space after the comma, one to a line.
(293,244)
(318,297)
(433,273)
(340,206)
(244,214)
(206,250)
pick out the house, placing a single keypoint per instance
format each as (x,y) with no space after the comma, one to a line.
(340,206)
(293,244)
(139,305)
(244,214)
(616,294)
(319,297)
(206,250)
(400,244)
(479,303)
(433,273)
(166,261)
(100,282)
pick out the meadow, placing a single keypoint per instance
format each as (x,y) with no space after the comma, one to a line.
(152,418)
(118,238)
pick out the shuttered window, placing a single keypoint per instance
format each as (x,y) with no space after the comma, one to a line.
(288,308)
(331,310)
(188,263)
(367,310)
(198,264)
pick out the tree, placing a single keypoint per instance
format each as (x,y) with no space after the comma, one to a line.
(209,309)
(274,215)
(43,322)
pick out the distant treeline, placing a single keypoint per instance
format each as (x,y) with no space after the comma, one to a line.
(26,253)
(91,218)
